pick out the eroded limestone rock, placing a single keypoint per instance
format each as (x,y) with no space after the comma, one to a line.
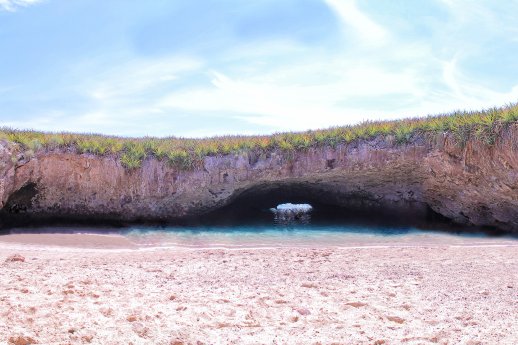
(476,184)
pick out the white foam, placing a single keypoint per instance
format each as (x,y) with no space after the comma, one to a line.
(296,208)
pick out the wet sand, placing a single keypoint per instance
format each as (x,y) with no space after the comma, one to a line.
(82,289)
(92,241)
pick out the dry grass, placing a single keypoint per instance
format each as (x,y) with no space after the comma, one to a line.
(187,153)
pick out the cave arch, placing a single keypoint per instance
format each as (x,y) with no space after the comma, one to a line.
(331,203)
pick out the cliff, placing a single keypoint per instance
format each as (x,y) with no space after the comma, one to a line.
(471,183)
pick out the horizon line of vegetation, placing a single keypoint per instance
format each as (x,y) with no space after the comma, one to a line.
(187,153)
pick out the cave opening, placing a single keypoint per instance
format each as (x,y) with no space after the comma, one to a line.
(21,200)
(329,206)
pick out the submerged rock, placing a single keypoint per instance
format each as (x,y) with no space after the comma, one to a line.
(292,212)
(290,209)
(297,208)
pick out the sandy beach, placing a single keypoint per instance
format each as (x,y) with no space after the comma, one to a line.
(88,289)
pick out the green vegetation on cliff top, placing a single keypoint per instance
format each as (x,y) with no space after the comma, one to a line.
(187,153)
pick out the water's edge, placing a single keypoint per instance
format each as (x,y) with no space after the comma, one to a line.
(247,236)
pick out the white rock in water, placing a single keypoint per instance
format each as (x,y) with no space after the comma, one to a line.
(295,208)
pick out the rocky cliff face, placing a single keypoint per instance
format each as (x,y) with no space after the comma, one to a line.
(472,184)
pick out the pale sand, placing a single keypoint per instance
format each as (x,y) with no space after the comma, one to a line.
(374,295)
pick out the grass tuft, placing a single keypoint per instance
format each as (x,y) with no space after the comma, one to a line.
(186,153)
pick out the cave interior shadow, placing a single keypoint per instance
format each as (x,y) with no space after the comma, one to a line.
(252,207)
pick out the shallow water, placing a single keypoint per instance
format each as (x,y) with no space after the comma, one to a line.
(259,229)
(301,235)
(271,235)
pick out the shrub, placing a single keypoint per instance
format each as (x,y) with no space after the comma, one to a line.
(34,145)
(403,134)
(130,162)
(133,153)
(180,159)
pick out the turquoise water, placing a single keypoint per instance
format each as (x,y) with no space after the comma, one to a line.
(325,227)
(306,235)
(276,235)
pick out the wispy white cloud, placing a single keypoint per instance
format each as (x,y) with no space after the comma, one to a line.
(374,70)
(117,98)
(136,77)
(271,100)
(464,91)
(12,5)
(124,96)
(367,31)
(347,86)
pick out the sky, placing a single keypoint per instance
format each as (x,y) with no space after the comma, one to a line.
(203,67)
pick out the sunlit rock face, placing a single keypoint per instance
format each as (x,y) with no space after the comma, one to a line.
(288,213)
(470,183)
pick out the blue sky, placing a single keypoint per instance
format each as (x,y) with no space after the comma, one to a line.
(203,67)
